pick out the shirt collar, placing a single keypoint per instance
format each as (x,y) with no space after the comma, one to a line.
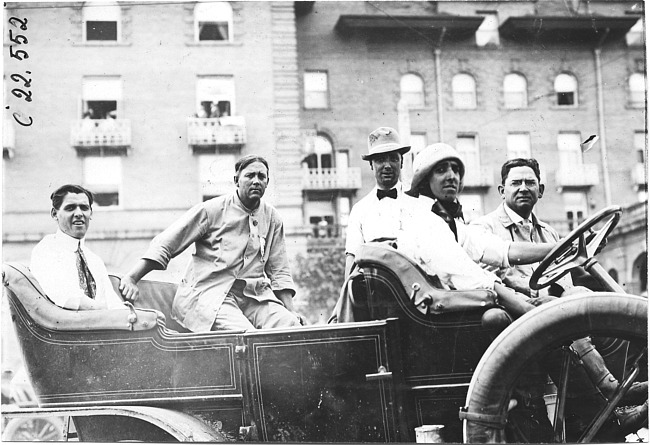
(516,217)
(243,207)
(68,242)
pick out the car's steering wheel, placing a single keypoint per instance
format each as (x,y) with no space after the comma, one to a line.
(568,253)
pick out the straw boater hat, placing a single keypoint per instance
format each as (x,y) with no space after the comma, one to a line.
(427,158)
(384,140)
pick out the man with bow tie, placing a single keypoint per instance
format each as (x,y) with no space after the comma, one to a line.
(380,214)
(69,273)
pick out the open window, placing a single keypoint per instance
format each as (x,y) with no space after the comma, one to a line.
(101,96)
(213,22)
(566,90)
(101,22)
(215,96)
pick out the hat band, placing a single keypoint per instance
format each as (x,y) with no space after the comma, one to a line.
(393,146)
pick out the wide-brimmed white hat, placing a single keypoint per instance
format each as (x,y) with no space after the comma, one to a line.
(427,158)
(384,140)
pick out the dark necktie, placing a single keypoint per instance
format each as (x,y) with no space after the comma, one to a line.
(381,194)
(86,280)
(449,214)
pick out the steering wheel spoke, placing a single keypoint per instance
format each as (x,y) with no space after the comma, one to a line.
(573,250)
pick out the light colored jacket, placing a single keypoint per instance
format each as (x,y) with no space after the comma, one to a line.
(518,277)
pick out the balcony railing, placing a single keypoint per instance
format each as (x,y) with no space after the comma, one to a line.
(8,139)
(331,178)
(585,175)
(638,175)
(479,177)
(101,133)
(214,132)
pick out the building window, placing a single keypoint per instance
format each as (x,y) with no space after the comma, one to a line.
(322,156)
(216,173)
(215,96)
(518,145)
(468,148)
(515,91)
(213,22)
(639,146)
(316,89)
(103,177)
(568,145)
(101,96)
(412,90)
(472,206)
(566,90)
(636,86)
(575,206)
(463,87)
(488,32)
(417,141)
(101,23)
(634,36)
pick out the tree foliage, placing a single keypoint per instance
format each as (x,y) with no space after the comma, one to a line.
(319,274)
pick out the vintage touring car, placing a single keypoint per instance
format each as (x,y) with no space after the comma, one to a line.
(415,355)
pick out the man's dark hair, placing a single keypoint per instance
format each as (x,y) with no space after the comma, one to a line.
(246,161)
(59,194)
(519,162)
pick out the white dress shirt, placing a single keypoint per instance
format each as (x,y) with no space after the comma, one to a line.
(54,265)
(371,218)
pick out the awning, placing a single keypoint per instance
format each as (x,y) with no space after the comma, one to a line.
(454,27)
(579,29)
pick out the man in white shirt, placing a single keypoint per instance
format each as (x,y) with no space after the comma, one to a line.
(71,275)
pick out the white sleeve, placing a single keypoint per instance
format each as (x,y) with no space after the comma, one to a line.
(484,246)
(57,277)
(354,235)
(434,247)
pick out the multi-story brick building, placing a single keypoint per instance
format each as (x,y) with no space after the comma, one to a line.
(149,104)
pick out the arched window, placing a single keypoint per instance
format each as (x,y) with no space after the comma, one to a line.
(515,91)
(463,88)
(412,90)
(613,273)
(101,23)
(322,155)
(213,21)
(566,90)
(636,85)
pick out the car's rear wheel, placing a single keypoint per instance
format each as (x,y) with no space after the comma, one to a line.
(534,336)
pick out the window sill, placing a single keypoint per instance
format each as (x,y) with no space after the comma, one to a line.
(214,43)
(567,107)
(317,109)
(629,106)
(101,43)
